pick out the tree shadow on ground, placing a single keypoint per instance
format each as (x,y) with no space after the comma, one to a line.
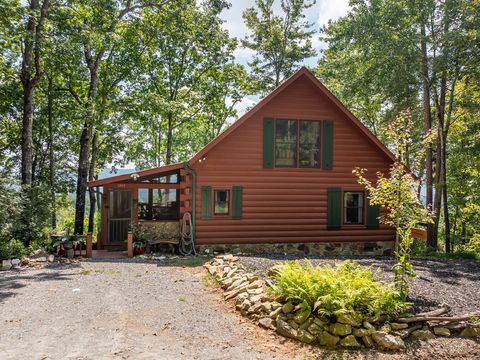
(13,280)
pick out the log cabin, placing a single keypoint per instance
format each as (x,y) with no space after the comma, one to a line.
(279,175)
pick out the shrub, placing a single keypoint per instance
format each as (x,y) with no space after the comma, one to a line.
(473,244)
(347,288)
(12,249)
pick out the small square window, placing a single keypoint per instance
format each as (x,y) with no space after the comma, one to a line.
(353,208)
(221,202)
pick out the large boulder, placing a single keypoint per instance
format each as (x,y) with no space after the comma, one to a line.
(327,339)
(423,334)
(283,328)
(350,342)
(388,341)
(470,332)
(348,319)
(340,329)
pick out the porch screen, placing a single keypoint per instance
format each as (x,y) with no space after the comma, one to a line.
(158,204)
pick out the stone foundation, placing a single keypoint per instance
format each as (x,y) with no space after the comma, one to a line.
(378,248)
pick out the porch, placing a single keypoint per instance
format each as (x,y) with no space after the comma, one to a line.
(150,201)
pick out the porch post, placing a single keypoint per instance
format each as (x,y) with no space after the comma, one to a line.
(89,246)
(130,244)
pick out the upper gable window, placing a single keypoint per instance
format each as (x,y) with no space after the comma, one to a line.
(297,143)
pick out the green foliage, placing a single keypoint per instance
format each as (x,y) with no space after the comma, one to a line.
(140,238)
(12,249)
(280,42)
(347,288)
(474,244)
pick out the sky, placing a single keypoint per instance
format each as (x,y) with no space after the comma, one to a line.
(318,15)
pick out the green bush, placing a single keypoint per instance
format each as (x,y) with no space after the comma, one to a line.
(12,249)
(473,244)
(347,288)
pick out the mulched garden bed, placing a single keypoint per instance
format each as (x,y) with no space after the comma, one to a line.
(454,282)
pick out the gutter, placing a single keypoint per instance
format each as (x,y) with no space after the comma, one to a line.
(192,172)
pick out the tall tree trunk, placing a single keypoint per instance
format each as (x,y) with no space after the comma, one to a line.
(91,191)
(446,214)
(84,156)
(51,153)
(437,201)
(427,116)
(27,132)
(82,177)
(168,157)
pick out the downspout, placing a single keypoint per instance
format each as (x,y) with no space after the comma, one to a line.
(192,172)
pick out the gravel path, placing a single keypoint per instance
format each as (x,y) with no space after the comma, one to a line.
(120,309)
(454,282)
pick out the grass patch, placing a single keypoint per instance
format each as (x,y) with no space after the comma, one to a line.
(192,261)
(346,288)
(99,271)
(208,280)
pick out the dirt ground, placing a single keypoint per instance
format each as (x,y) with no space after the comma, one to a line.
(126,310)
(119,309)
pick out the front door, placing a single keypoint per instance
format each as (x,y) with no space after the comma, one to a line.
(119,215)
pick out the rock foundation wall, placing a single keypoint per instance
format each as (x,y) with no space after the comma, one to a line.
(377,248)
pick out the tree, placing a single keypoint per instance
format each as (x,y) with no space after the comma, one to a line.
(280,42)
(185,85)
(397,194)
(403,54)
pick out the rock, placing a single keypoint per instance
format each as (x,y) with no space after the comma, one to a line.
(340,329)
(257,291)
(361,332)
(287,308)
(275,270)
(349,342)
(301,316)
(276,305)
(388,341)
(398,326)
(275,313)
(367,341)
(284,329)
(39,253)
(323,323)
(327,339)
(231,294)
(230,257)
(368,326)
(406,332)
(51,258)
(15,262)
(41,259)
(441,331)
(470,332)
(423,334)
(257,308)
(6,264)
(251,277)
(348,319)
(315,329)
(305,337)
(293,324)
(266,323)
(255,284)
(306,324)
(386,328)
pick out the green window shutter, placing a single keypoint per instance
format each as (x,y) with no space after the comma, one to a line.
(268,142)
(373,212)
(334,208)
(206,193)
(237,195)
(327,144)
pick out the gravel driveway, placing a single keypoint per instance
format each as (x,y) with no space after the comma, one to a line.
(120,309)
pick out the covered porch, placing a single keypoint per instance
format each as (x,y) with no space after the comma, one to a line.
(151,201)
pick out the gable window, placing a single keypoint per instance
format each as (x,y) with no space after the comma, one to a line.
(297,143)
(352,208)
(221,202)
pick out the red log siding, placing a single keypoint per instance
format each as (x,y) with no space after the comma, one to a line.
(285,204)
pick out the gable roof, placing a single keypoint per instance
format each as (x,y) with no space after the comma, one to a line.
(302,72)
